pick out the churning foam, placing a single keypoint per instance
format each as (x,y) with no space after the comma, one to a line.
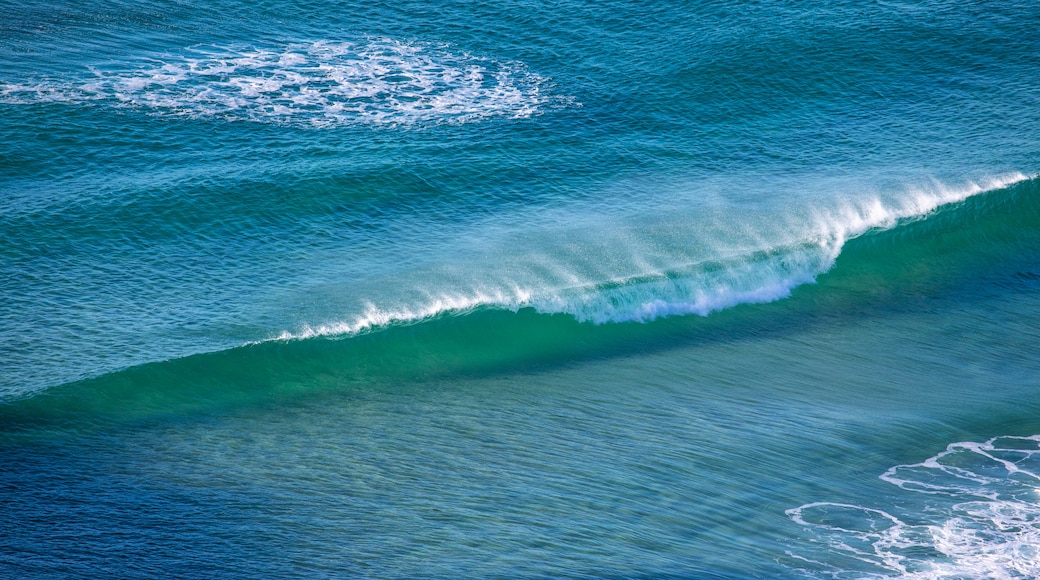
(771,264)
(983,523)
(324,83)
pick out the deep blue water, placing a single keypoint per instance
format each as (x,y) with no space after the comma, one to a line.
(467,289)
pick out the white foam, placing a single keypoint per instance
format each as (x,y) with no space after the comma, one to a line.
(988,528)
(979,469)
(324,83)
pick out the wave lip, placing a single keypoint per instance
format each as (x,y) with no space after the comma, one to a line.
(321,84)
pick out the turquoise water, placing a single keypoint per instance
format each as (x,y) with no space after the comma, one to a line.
(604,290)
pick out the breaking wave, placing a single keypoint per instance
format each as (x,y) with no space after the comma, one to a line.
(500,330)
(767,264)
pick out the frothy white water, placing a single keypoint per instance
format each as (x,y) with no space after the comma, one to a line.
(703,270)
(324,83)
(987,527)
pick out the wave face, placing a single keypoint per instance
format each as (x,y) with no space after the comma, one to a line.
(509,289)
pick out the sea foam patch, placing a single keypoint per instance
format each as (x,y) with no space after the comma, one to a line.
(982,521)
(322,84)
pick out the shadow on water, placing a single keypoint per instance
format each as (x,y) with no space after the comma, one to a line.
(983,246)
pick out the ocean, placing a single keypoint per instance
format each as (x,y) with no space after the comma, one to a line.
(317,289)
